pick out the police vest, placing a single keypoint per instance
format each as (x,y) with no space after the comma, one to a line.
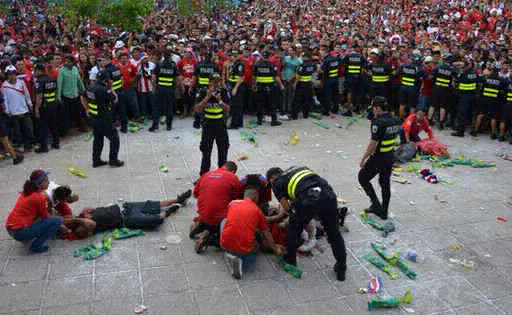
(295,176)
(444,77)
(491,87)
(234,73)
(264,72)
(166,75)
(379,73)
(50,91)
(332,68)
(509,92)
(205,70)
(355,62)
(93,105)
(467,82)
(213,109)
(391,139)
(409,75)
(117,78)
(306,75)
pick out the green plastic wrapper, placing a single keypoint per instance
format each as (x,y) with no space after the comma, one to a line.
(320,124)
(366,218)
(124,233)
(248,136)
(291,269)
(91,251)
(316,115)
(394,260)
(390,303)
(381,265)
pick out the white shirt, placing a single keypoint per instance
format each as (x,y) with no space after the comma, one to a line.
(144,82)
(93,73)
(17,98)
(49,192)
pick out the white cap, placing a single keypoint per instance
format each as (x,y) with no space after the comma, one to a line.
(269,37)
(119,44)
(207,37)
(428,59)
(374,51)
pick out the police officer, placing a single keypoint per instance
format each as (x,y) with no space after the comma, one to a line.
(202,75)
(265,77)
(213,104)
(303,98)
(466,88)
(164,79)
(490,100)
(506,117)
(46,109)
(444,77)
(410,84)
(235,78)
(331,93)
(378,157)
(101,98)
(380,74)
(116,84)
(303,195)
(354,66)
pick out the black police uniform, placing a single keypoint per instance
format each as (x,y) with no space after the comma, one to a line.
(310,195)
(265,73)
(303,98)
(166,73)
(490,95)
(236,71)
(100,106)
(331,92)
(443,80)
(385,129)
(354,63)
(116,78)
(203,71)
(506,116)
(214,129)
(466,90)
(381,80)
(410,84)
(48,111)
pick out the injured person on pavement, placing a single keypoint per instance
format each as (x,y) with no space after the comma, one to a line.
(140,215)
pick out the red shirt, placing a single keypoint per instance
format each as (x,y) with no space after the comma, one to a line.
(129,74)
(413,127)
(244,218)
(249,67)
(426,88)
(186,68)
(214,191)
(27,210)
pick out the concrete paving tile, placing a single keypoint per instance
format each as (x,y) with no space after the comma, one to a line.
(180,304)
(266,294)
(505,304)
(118,259)
(456,292)
(107,286)
(116,307)
(150,255)
(311,287)
(20,297)
(492,284)
(78,309)
(208,274)
(69,266)
(164,280)
(262,269)
(356,277)
(424,301)
(437,239)
(220,300)
(482,308)
(21,269)
(61,292)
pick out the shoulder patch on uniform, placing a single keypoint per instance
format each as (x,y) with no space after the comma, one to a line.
(375,128)
(197,94)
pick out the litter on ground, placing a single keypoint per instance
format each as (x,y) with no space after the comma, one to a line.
(173,239)
(76,172)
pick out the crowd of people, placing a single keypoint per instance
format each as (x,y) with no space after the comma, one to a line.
(450,59)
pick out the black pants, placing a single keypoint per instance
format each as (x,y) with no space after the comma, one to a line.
(266,98)
(237,105)
(302,101)
(142,215)
(464,109)
(308,205)
(165,98)
(48,120)
(104,128)
(120,109)
(75,111)
(331,95)
(214,233)
(213,131)
(377,164)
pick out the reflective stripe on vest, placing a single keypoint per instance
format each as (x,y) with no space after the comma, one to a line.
(354,69)
(93,109)
(265,79)
(467,86)
(305,78)
(116,85)
(408,81)
(333,73)
(380,78)
(204,81)
(389,145)
(213,113)
(165,81)
(295,180)
(490,92)
(234,78)
(509,96)
(49,97)
(442,82)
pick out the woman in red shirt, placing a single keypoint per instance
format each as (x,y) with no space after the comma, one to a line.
(30,219)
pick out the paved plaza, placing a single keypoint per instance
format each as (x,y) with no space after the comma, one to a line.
(430,220)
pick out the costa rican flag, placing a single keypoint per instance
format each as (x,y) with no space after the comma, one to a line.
(375,285)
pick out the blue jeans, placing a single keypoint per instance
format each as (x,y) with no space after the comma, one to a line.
(146,100)
(130,99)
(423,102)
(247,259)
(40,231)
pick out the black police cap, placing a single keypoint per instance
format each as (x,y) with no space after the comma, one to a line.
(102,75)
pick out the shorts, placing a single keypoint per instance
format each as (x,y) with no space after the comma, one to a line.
(4,131)
(506,113)
(354,85)
(408,97)
(489,106)
(424,102)
(441,98)
(144,214)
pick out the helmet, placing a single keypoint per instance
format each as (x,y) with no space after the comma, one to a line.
(102,75)
(10,69)
(415,57)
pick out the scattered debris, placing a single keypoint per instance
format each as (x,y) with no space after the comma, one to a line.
(176,137)
(505,156)
(76,172)
(342,201)
(412,256)
(88,136)
(341,156)
(320,124)
(249,136)
(381,265)
(163,247)
(392,242)
(295,139)
(395,260)
(124,233)
(390,303)
(366,219)
(400,180)
(408,310)
(466,263)
(291,269)
(412,203)
(436,197)
(179,177)
(338,125)
(501,218)
(453,231)
(243,157)
(375,285)
(429,176)
(487,255)
(328,151)
(455,246)
(173,239)
(362,290)
(120,200)
(140,309)
(91,251)
(388,228)
(162,168)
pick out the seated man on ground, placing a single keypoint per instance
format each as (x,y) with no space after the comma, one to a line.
(413,125)
(137,215)
(238,232)
(214,191)
(59,198)
(259,182)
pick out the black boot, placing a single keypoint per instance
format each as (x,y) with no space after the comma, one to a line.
(153,128)
(378,211)
(116,163)
(340,272)
(458,134)
(41,149)
(494,136)
(182,198)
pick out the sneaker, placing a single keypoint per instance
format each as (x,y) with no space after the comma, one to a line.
(458,134)
(340,272)
(56,146)
(162,120)
(494,136)
(18,159)
(169,128)
(377,211)
(41,150)
(153,128)
(116,163)
(195,229)
(40,249)
(473,133)
(202,242)
(196,125)
(276,123)
(171,209)
(182,198)
(307,246)
(99,163)
(283,117)
(235,265)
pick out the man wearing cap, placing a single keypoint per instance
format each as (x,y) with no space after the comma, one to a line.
(202,74)
(46,109)
(467,82)
(378,157)
(116,84)
(330,69)
(354,67)
(235,71)
(213,104)
(380,74)
(411,73)
(444,76)
(506,118)
(100,100)
(265,76)
(303,87)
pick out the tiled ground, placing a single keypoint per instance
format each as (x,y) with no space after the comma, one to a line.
(178,281)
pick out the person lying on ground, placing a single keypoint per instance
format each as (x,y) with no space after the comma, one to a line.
(137,215)
(214,191)
(413,125)
(238,233)
(30,219)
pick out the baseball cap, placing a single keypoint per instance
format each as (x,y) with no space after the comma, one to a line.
(214,76)
(380,102)
(428,59)
(374,51)
(38,176)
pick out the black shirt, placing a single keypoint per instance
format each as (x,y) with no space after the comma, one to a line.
(107,218)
